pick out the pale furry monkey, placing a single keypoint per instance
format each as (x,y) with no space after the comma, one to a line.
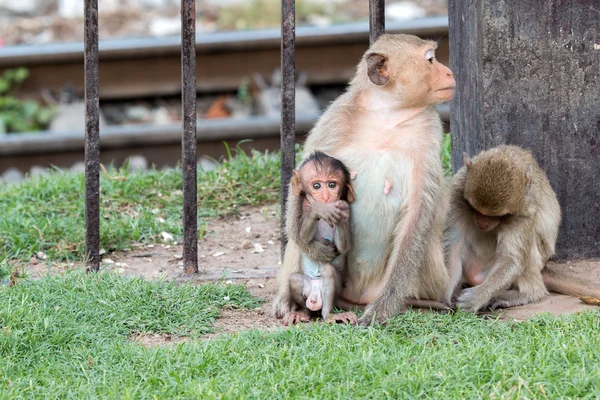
(322,183)
(386,130)
(501,230)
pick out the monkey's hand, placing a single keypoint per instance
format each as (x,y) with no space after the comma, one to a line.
(332,213)
(472,299)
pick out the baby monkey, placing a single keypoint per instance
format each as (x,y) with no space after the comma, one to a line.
(323,233)
(501,230)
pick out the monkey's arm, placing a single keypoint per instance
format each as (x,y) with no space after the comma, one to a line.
(407,253)
(300,227)
(308,227)
(507,268)
(343,236)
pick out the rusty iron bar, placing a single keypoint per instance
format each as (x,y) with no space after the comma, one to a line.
(92,137)
(288,105)
(188,139)
(376,19)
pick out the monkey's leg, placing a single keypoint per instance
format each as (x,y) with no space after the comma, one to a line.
(329,276)
(300,288)
(331,289)
(433,282)
(414,266)
(284,302)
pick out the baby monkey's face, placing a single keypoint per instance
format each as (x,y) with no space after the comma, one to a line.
(322,187)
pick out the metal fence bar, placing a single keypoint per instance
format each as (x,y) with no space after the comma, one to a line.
(188,139)
(288,106)
(376,19)
(92,137)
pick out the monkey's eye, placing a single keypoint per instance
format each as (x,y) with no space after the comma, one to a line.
(332,185)
(316,186)
(430,56)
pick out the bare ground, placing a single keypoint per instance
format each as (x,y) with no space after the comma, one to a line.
(246,249)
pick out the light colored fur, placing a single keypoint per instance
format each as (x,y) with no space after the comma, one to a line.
(513,254)
(390,133)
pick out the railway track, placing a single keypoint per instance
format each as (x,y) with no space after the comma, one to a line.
(150,68)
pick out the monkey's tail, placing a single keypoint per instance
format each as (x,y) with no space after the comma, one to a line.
(560,283)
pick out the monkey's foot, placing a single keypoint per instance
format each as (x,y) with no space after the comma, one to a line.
(295,317)
(513,298)
(345,318)
(282,305)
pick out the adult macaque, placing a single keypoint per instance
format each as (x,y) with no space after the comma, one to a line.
(501,230)
(322,184)
(386,130)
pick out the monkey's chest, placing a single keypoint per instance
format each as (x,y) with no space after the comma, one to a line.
(382,182)
(478,257)
(382,187)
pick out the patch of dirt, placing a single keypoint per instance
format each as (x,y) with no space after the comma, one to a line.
(231,251)
(555,304)
(232,321)
(156,340)
(235,247)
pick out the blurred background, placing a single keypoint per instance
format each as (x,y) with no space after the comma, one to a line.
(238,56)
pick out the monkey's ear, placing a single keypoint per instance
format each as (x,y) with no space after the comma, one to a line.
(377,68)
(296,183)
(351,197)
(468,162)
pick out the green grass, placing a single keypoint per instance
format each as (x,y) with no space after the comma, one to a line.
(47,213)
(446,155)
(67,337)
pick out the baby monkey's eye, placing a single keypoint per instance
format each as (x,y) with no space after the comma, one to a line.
(316,186)
(332,185)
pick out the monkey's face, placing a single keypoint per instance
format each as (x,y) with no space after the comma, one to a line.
(429,81)
(322,187)
(485,223)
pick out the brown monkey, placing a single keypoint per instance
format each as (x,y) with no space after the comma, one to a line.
(386,130)
(501,230)
(322,184)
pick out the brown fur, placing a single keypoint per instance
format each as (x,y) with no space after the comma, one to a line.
(320,266)
(386,130)
(507,185)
